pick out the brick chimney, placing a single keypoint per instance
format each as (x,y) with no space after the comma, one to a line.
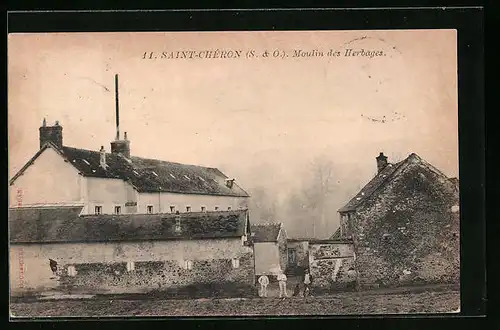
(121,146)
(51,134)
(381,162)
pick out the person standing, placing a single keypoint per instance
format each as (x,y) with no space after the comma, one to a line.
(264,282)
(307,282)
(282,283)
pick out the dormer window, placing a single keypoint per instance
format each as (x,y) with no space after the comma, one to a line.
(172,208)
(229,208)
(118,209)
(188,208)
(98,210)
(150,209)
(203,209)
(216,208)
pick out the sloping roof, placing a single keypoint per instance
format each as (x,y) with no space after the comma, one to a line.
(265,232)
(371,187)
(379,181)
(64,225)
(147,175)
(336,235)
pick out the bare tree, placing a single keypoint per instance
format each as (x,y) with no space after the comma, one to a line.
(262,205)
(311,204)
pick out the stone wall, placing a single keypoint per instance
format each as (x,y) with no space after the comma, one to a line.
(332,266)
(156,275)
(158,265)
(409,233)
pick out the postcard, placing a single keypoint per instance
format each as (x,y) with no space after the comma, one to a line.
(233,173)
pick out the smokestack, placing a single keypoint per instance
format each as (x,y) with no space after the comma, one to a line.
(381,162)
(117,109)
(119,146)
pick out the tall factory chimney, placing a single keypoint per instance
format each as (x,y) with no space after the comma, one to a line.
(119,146)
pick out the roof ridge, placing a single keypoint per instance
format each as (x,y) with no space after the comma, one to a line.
(171,162)
(142,158)
(380,184)
(267,224)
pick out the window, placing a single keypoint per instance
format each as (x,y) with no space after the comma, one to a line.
(188,208)
(229,208)
(71,271)
(98,210)
(53,266)
(130,266)
(177,225)
(172,209)
(235,262)
(150,209)
(203,209)
(188,264)
(118,209)
(216,208)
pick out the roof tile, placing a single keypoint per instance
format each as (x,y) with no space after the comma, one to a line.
(64,224)
(265,232)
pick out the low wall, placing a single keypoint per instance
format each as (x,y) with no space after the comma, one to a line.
(332,266)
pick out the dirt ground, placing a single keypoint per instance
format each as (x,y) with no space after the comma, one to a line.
(338,304)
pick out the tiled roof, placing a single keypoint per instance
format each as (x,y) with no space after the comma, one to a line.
(371,187)
(384,176)
(64,225)
(265,232)
(148,175)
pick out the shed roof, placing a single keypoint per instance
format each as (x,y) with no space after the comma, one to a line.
(265,232)
(66,225)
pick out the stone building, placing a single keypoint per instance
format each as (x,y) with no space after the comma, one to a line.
(404,225)
(59,248)
(112,221)
(269,243)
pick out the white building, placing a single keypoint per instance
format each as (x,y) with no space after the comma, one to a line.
(116,182)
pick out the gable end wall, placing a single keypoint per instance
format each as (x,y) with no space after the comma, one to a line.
(407,234)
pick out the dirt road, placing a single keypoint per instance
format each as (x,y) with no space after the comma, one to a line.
(339,304)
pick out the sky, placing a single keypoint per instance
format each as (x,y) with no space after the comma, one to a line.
(261,120)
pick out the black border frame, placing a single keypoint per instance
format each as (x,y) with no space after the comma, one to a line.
(470,25)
